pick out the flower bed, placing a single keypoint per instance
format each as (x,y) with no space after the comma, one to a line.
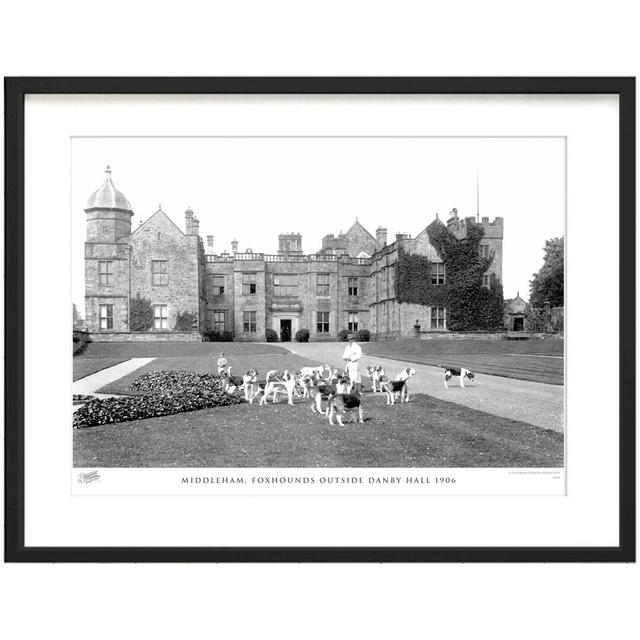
(79,398)
(176,382)
(165,393)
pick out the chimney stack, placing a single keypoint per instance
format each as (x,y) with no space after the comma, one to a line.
(381,237)
(289,244)
(209,241)
(234,246)
(453,218)
(191,223)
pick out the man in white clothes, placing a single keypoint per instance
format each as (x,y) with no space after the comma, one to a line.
(351,356)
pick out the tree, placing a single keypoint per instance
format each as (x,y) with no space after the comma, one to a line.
(548,284)
(186,321)
(78,323)
(140,314)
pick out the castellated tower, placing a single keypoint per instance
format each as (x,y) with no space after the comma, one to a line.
(107,258)
(491,243)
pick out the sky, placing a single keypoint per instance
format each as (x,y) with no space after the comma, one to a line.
(251,189)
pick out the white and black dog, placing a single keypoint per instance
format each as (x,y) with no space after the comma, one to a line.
(397,387)
(307,374)
(343,400)
(375,372)
(341,403)
(231,383)
(252,387)
(460,372)
(314,387)
(276,384)
(310,371)
(406,373)
(319,389)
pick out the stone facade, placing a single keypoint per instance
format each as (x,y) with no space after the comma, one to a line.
(348,284)
(151,336)
(159,240)
(128,270)
(356,242)
(334,286)
(157,261)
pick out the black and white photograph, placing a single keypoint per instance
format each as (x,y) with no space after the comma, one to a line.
(320,320)
(318,302)
(308,309)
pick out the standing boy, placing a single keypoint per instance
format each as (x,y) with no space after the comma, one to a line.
(222,364)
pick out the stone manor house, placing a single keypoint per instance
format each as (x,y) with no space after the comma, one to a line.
(347,284)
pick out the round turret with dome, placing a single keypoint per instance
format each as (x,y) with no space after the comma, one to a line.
(108,213)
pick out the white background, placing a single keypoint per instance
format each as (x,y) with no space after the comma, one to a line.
(316,186)
(489,38)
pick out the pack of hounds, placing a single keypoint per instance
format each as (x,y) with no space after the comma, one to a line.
(340,394)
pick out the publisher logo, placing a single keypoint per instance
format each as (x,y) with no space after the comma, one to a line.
(90,476)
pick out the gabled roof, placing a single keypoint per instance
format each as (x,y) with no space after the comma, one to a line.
(435,222)
(159,212)
(357,225)
(516,305)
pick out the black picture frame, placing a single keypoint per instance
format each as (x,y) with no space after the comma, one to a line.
(15,91)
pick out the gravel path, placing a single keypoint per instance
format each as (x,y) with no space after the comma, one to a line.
(90,384)
(536,403)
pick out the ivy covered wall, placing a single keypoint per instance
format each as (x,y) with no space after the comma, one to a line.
(140,314)
(470,305)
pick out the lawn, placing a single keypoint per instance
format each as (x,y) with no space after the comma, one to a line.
(427,432)
(239,363)
(176,349)
(202,356)
(540,360)
(83,367)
